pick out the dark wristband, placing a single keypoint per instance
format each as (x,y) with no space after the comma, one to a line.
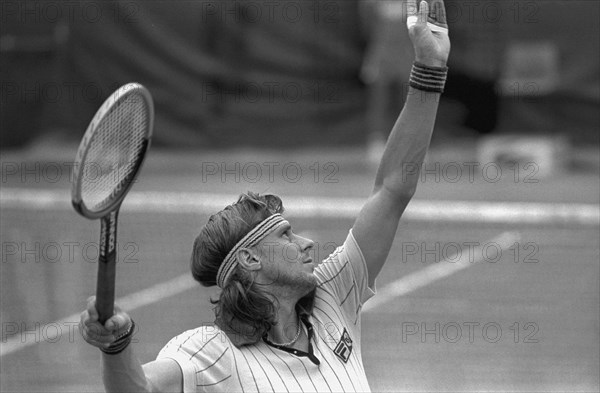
(121,342)
(428,78)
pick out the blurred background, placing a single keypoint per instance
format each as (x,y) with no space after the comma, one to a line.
(227,73)
(296,98)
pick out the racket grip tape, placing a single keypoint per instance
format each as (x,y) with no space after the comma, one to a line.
(105,285)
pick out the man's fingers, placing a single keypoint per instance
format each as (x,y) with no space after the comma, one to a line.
(98,335)
(84,318)
(417,16)
(91,308)
(97,332)
(93,328)
(423,11)
(411,8)
(434,17)
(97,341)
(437,13)
(117,322)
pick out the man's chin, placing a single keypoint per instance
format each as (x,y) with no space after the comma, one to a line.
(302,283)
(311,283)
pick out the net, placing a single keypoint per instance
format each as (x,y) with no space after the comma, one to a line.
(115,152)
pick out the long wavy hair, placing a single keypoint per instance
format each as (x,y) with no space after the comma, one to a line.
(242,306)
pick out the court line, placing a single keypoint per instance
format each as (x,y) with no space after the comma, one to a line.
(129,302)
(451,265)
(418,210)
(185,282)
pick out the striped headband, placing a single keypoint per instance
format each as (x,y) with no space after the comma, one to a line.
(258,233)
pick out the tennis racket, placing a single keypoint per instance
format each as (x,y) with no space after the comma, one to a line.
(108,159)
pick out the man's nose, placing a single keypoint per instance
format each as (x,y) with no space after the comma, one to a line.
(305,243)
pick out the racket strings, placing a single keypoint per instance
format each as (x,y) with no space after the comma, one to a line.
(115,152)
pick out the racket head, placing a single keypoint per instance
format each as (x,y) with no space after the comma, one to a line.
(112,151)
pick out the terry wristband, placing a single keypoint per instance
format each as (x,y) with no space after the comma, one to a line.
(427,78)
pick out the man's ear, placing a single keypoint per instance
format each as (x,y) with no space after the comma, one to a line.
(248,259)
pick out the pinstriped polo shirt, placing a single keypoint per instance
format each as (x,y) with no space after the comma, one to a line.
(210,362)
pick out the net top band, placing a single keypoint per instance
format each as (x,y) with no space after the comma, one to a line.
(258,233)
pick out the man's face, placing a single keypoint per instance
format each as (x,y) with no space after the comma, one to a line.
(286,261)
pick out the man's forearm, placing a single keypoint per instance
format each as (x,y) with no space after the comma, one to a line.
(123,372)
(407,144)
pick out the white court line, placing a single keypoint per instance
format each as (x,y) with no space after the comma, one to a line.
(129,302)
(418,210)
(184,282)
(437,271)
(171,202)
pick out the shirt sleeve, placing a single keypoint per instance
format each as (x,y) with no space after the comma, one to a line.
(204,357)
(344,274)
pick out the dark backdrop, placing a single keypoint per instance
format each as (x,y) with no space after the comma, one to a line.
(284,73)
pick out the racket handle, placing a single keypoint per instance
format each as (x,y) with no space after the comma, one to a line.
(105,285)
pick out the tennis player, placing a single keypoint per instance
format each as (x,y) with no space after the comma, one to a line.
(284,322)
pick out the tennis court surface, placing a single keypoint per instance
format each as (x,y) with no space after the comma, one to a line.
(489,286)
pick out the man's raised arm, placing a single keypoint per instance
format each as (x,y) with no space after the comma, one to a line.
(398,173)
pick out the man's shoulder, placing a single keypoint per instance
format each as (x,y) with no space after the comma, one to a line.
(209,336)
(349,253)
(204,356)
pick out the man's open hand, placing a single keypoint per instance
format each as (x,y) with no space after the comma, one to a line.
(428,30)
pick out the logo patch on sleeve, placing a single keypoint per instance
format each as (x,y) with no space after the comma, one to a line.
(343,349)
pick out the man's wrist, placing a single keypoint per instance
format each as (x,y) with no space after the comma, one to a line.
(431,62)
(122,341)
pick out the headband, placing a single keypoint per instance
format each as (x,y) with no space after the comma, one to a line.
(258,233)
